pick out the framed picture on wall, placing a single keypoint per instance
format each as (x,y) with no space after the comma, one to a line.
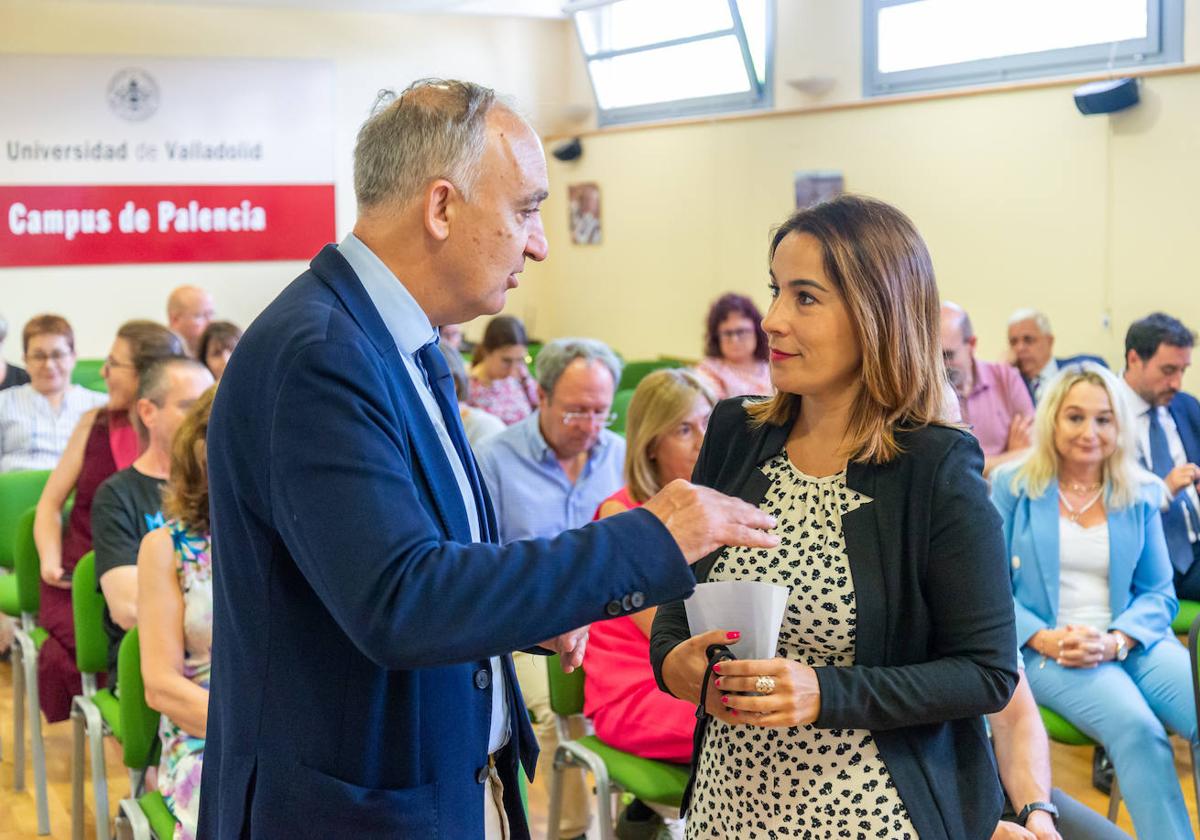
(584,202)
(814,186)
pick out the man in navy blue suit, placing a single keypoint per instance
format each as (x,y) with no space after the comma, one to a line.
(1158,349)
(1031,343)
(363,611)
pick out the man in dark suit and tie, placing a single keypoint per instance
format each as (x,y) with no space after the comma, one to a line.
(1158,349)
(1031,343)
(363,611)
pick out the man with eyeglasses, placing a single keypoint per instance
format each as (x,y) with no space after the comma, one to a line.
(547,474)
(36,419)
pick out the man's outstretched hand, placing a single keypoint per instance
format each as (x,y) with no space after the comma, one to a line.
(702,520)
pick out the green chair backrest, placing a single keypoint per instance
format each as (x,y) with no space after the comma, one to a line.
(28,567)
(566,690)
(87,604)
(19,491)
(87,374)
(635,372)
(620,407)
(139,723)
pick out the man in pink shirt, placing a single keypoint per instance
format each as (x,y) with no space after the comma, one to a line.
(994,400)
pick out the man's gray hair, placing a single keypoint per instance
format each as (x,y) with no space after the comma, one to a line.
(434,129)
(1040,320)
(553,359)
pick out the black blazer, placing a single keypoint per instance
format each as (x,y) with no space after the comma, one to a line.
(935,646)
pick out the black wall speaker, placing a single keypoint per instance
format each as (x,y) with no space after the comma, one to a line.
(1107,96)
(570,150)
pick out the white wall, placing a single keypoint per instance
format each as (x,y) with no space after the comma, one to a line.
(527,58)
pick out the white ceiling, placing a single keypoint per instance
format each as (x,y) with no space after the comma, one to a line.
(503,8)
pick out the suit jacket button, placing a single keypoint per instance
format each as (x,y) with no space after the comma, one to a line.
(1016,561)
(627,603)
(613,608)
(482,679)
(638,600)
(481,775)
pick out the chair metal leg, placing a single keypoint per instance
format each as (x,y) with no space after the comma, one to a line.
(99,777)
(77,774)
(1114,800)
(131,821)
(18,663)
(38,747)
(581,756)
(554,819)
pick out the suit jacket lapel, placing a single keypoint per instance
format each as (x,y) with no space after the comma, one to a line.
(1191,445)
(864,551)
(1043,533)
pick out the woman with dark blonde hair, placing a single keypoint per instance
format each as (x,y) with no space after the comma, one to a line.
(898,632)
(175,615)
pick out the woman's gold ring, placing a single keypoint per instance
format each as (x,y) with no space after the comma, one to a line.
(764,685)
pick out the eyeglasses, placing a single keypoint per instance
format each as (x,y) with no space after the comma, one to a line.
(575,418)
(740,334)
(111,363)
(41,358)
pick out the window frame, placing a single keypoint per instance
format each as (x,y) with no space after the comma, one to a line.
(761,95)
(1163,44)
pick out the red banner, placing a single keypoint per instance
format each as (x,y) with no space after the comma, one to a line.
(80,225)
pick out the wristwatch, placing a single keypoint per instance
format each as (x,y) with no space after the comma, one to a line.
(1122,648)
(1038,806)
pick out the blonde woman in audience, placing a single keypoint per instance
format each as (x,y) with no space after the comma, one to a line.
(36,419)
(104,441)
(500,380)
(735,349)
(1094,599)
(897,634)
(216,346)
(175,614)
(663,432)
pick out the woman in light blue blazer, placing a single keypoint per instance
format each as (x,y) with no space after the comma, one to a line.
(1094,599)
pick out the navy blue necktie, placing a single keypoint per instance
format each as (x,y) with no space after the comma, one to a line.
(432,361)
(1180,515)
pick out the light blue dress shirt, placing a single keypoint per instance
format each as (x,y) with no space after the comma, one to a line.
(411,330)
(532,495)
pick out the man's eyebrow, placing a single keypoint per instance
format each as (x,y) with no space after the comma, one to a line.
(536,197)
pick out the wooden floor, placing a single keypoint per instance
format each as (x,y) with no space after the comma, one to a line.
(18,817)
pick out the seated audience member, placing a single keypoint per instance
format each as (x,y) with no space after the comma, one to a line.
(452,336)
(1092,584)
(993,400)
(36,419)
(189,311)
(1023,759)
(549,473)
(663,432)
(500,381)
(477,423)
(1031,346)
(103,442)
(735,349)
(216,346)
(175,613)
(1158,349)
(128,505)
(10,375)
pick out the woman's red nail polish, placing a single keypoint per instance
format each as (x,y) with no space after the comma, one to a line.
(717,668)
(733,634)
(725,700)
(717,682)
(733,712)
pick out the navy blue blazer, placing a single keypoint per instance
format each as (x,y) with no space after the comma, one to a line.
(1185,410)
(1062,363)
(353,617)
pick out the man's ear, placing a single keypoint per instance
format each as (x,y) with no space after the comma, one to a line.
(543,397)
(146,411)
(1132,356)
(441,205)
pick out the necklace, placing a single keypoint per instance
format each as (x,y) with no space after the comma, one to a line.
(1074,514)
(1076,487)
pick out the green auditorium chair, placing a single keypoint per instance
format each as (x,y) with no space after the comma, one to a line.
(620,407)
(658,782)
(144,816)
(1064,732)
(19,491)
(87,374)
(28,641)
(95,713)
(1188,610)
(635,372)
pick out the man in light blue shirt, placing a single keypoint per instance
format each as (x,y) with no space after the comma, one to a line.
(548,474)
